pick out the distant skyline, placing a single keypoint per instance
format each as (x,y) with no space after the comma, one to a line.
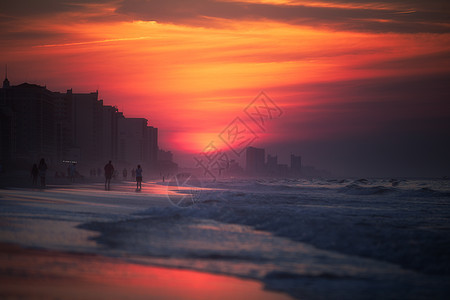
(362,85)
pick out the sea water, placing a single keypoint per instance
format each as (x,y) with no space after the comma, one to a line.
(313,239)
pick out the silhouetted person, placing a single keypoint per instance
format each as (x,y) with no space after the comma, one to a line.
(34,174)
(109,171)
(138,178)
(133,173)
(72,170)
(42,171)
(124,173)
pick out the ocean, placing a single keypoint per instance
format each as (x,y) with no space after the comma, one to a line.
(310,239)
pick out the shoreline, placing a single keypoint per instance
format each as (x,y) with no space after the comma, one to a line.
(21,180)
(223,241)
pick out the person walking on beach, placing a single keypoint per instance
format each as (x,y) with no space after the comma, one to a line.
(72,170)
(109,171)
(124,173)
(42,171)
(138,178)
(34,174)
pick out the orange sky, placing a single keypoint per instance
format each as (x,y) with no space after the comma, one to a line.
(190,67)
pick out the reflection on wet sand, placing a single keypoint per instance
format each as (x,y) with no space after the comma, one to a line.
(42,274)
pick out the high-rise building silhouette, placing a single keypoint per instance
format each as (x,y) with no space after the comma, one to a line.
(165,163)
(272,164)
(110,115)
(28,122)
(255,160)
(151,146)
(36,122)
(63,124)
(296,164)
(132,139)
(87,126)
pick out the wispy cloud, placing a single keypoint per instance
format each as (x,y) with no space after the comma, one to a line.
(333,15)
(92,42)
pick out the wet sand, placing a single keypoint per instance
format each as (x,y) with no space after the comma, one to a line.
(44,255)
(47,274)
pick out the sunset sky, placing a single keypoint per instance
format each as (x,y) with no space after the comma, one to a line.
(363,86)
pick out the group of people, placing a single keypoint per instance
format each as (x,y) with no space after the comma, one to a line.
(125,173)
(95,172)
(39,171)
(109,172)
